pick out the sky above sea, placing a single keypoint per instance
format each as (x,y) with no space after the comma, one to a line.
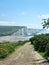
(23,12)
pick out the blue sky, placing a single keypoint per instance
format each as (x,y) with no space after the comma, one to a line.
(23,12)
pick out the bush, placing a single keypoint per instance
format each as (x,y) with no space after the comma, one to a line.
(47,47)
(3,53)
(40,42)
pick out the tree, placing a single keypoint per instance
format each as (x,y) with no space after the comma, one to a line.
(46,23)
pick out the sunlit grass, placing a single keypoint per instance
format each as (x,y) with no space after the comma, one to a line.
(7,48)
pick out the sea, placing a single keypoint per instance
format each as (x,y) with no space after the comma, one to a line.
(19,38)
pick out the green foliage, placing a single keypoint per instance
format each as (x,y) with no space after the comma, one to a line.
(3,53)
(41,43)
(8,47)
(47,47)
(45,23)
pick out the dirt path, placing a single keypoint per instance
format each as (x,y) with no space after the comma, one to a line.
(24,56)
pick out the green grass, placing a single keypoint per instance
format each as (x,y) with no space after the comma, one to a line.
(7,48)
(42,54)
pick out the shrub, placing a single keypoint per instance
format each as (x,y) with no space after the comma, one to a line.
(47,47)
(3,53)
(40,42)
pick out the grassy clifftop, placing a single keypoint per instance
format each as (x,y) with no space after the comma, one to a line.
(8,30)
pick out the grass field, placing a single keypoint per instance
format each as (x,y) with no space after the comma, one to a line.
(7,48)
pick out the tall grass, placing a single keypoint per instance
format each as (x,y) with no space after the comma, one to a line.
(7,48)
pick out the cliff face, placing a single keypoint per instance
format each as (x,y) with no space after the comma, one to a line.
(21,32)
(9,30)
(26,31)
(18,30)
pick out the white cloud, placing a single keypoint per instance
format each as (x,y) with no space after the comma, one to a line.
(29,25)
(34,25)
(43,16)
(7,23)
(23,13)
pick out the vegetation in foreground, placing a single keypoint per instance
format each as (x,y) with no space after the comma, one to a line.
(41,43)
(7,48)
